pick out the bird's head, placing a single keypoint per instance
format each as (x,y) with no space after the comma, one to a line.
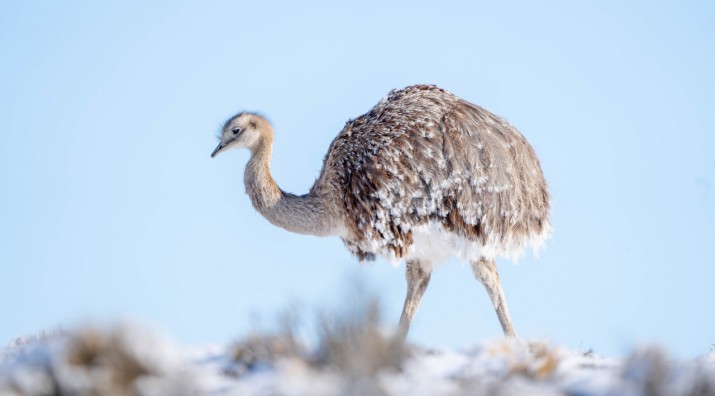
(243,130)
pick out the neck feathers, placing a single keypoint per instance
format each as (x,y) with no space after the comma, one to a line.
(305,214)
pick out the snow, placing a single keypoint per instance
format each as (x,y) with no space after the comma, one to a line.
(130,359)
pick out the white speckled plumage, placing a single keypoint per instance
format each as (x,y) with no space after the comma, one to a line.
(422,176)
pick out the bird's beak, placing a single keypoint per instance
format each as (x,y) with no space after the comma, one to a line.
(218,149)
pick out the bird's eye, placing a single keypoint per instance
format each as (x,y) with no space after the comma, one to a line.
(236,131)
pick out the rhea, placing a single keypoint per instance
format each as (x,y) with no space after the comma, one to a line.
(422,176)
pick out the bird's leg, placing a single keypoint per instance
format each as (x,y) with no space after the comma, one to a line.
(485,271)
(417,281)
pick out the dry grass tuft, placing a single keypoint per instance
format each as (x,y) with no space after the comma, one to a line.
(349,344)
(649,370)
(95,351)
(119,360)
(355,344)
(263,350)
(535,360)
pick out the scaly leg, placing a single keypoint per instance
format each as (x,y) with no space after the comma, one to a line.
(486,272)
(417,281)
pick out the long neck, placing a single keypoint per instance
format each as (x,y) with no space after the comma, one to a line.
(304,214)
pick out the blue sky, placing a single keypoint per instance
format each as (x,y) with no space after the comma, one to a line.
(111,207)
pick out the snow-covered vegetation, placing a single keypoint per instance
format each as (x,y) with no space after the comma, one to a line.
(348,354)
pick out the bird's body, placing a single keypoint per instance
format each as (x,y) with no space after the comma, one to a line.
(422,176)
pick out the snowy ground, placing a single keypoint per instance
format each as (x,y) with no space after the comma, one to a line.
(351,356)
